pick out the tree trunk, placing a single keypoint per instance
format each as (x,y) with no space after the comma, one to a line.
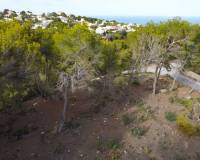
(173,84)
(132,75)
(72,84)
(47,70)
(65,106)
(155,80)
(157,76)
(160,67)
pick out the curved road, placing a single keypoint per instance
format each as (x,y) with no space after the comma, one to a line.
(178,76)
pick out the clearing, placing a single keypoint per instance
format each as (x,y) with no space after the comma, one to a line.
(132,125)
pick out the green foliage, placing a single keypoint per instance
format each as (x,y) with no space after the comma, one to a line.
(75,45)
(110,149)
(170,116)
(139,131)
(142,114)
(185,126)
(120,81)
(1,15)
(31,60)
(194,64)
(136,82)
(127,119)
(108,58)
(187,103)
(108,144)
(18,61)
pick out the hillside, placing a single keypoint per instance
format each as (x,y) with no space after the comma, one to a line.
(44,20)
(133,125)
(80,88)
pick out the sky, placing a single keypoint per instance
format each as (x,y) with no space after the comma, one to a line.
(108,7)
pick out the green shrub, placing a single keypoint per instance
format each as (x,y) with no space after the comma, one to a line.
(127,119)
(110,144)
(187,103)
(185,126)
(110,148)
(113,144)
(120,81)
(136,82)
(170,116)
(140,103)
(139,131)
(114,155)
(144,113)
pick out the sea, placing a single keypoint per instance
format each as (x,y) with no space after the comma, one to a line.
(146,19)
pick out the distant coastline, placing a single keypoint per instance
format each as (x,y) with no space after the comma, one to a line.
(146,19)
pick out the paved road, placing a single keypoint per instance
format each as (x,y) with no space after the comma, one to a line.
(175,74)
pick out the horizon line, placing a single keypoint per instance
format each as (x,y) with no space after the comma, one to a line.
(78,14)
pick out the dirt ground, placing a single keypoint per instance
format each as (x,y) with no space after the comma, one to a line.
(99,133)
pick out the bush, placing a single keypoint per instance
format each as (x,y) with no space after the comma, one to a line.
(170,116)
(136,82)
(139,131)
(114,155)
(111,144)
(144,113)
(187,103)
(111,149)
(127,119)
(185,126)
(140,103)
(121,81)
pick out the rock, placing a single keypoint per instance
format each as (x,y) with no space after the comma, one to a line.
(125,152)
(186,145)
(188,97)
(163,91)
(35,104)
(81,155)
(105,120)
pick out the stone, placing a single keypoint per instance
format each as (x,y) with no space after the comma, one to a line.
(163,91)
(35,104)
(188,97)
(186,145)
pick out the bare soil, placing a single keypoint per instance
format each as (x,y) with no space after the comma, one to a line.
(98,134)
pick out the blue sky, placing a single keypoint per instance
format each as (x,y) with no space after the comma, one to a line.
(108,7)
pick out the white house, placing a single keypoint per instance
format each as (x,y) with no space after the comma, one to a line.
(100,30)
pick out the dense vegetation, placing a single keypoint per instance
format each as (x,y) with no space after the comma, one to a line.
(38,62)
